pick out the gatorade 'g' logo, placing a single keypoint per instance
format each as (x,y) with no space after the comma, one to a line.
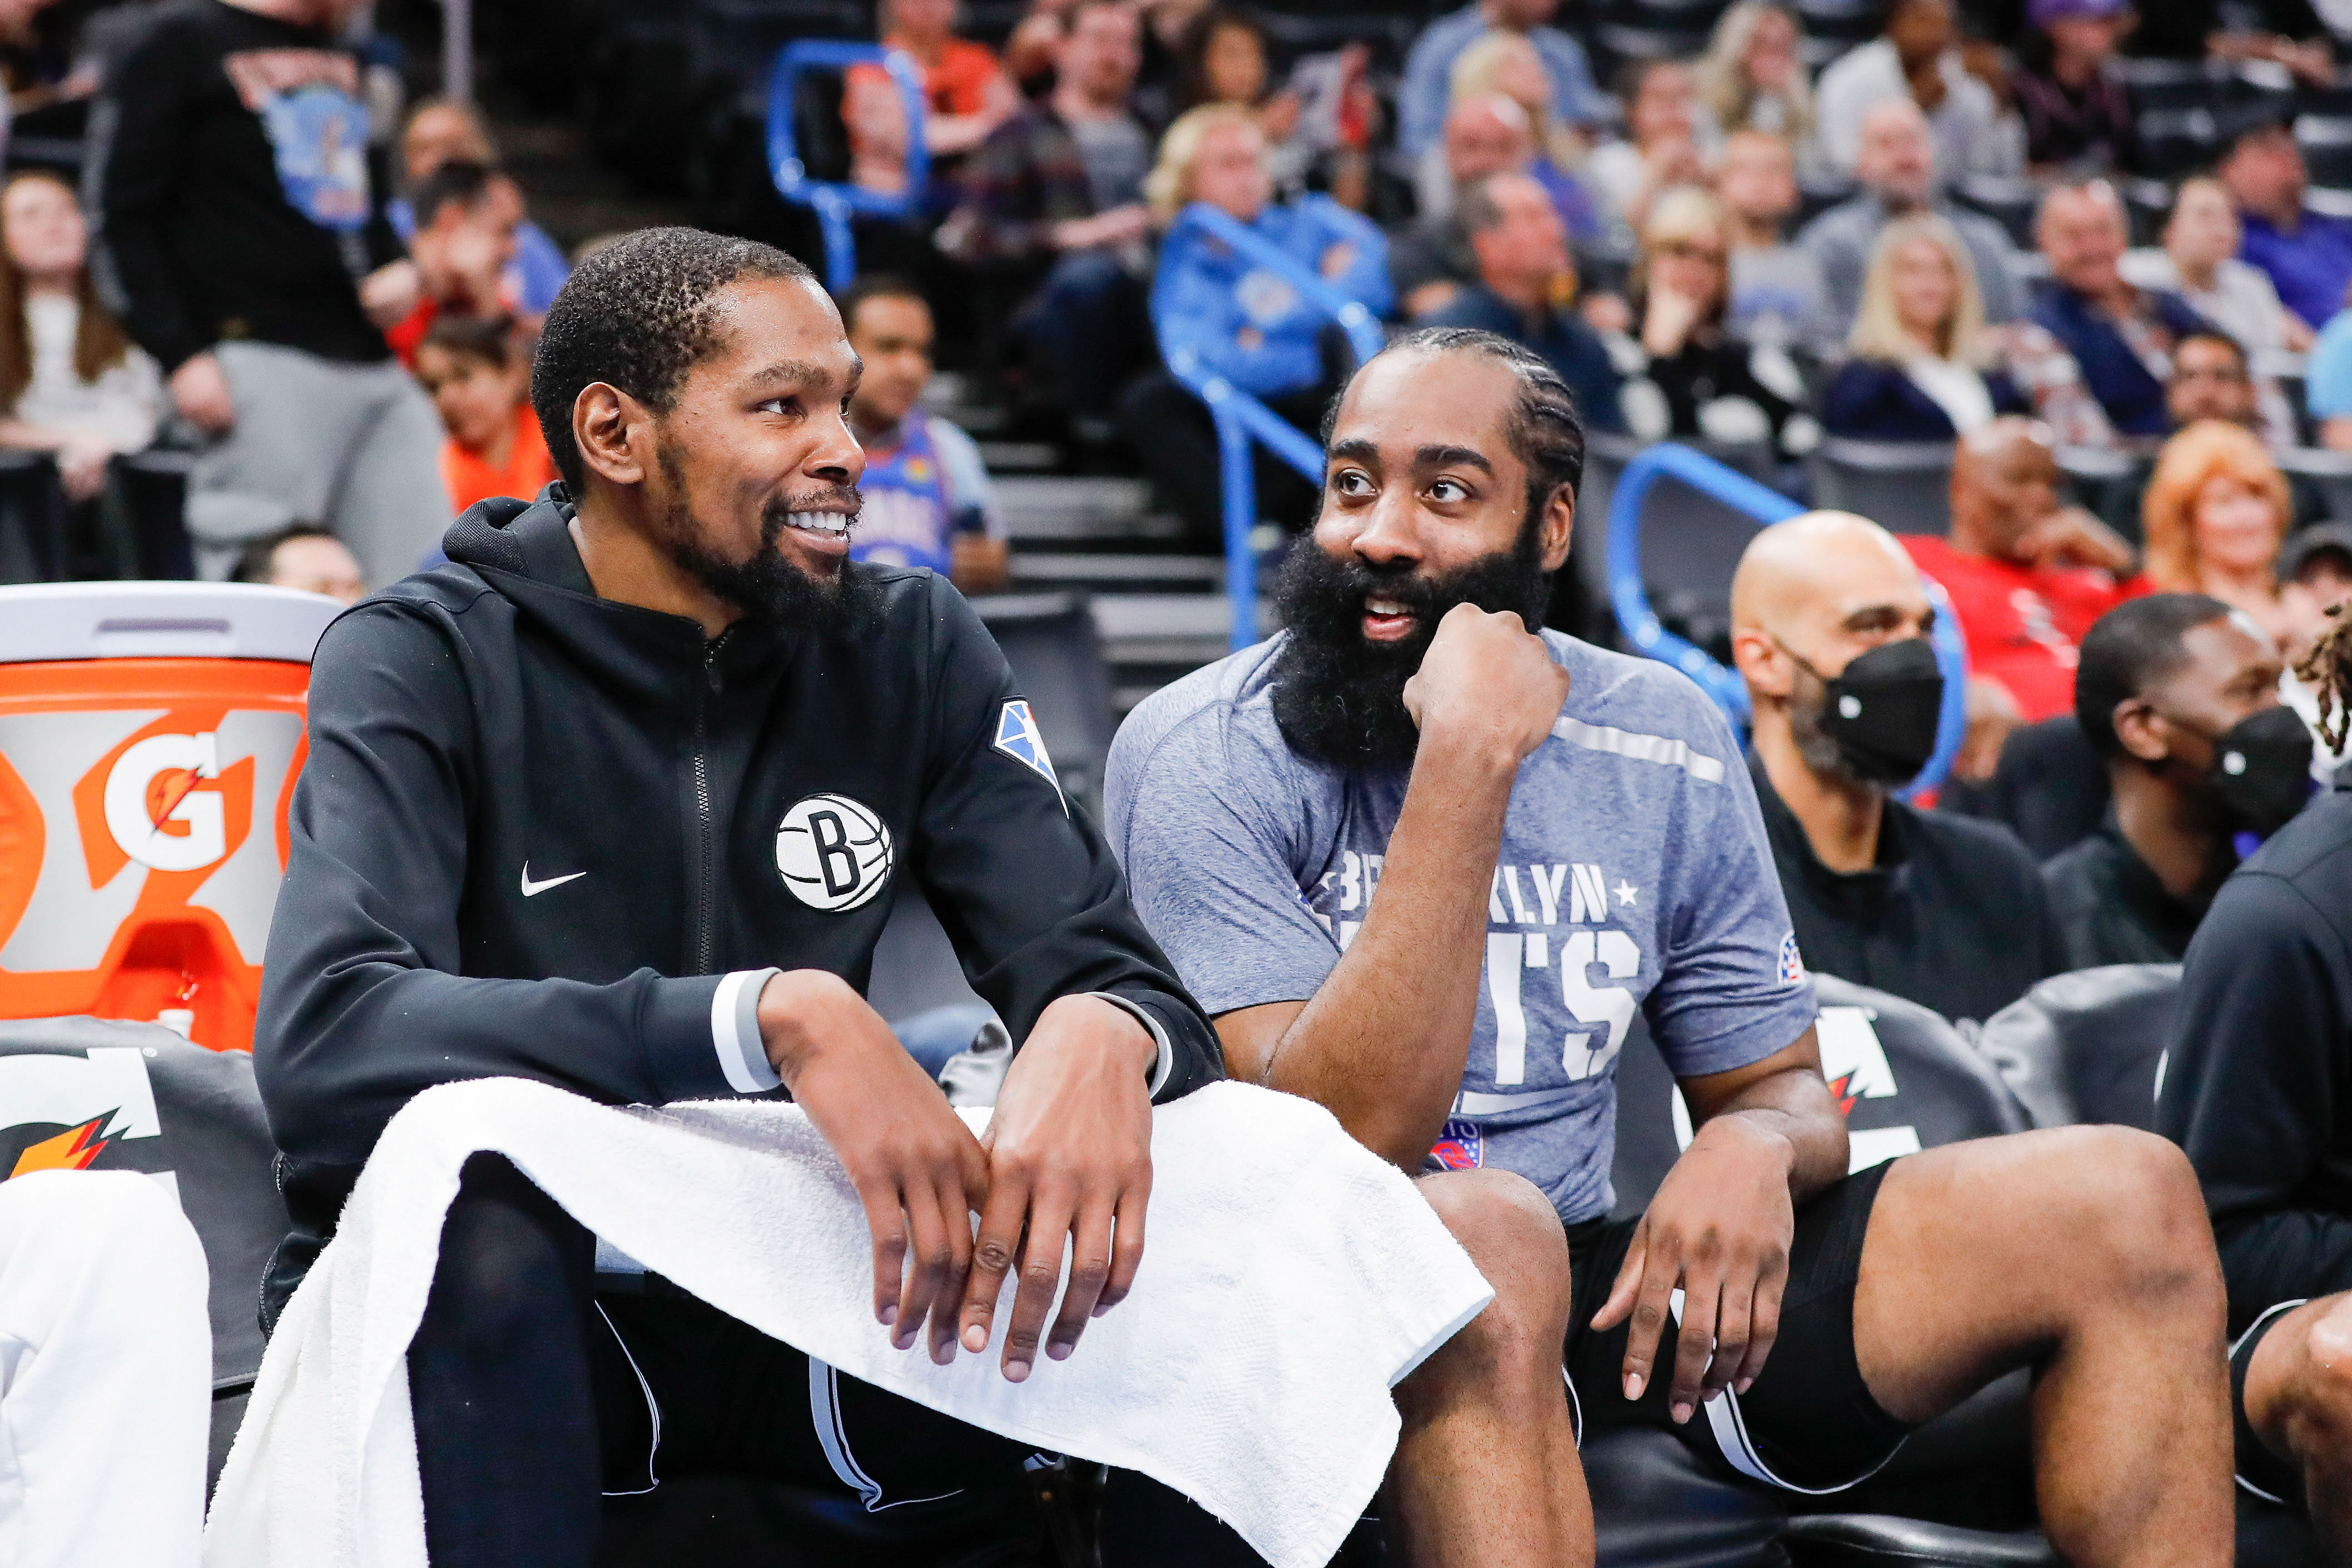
(833,853)
(163,801)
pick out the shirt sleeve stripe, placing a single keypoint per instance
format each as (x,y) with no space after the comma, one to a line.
(1167,1063)
(735,1031)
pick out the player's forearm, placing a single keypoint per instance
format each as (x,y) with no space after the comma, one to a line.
(1382,1044)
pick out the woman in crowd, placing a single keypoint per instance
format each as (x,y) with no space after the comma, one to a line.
(1223,58)
(72,382)
(2214,516)
(1666,144)
(2199,261)
(2077,110)
(1686,375)
(1752,79)
(1223,313)
(1918,370)
(1505,64)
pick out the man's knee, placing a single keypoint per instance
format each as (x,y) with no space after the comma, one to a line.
(2318,1417)
(2129,1207)
(512,1260)
(1512,1233)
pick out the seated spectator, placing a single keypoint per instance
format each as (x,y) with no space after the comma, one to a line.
(303,556)
(441,131)
(2121,336)
(1346,877)
(480,383)
(1430,261)
(928,499)
(1523,289)
(2290,32)
(2308,254)
(1918,60)
(2076,107)
(2315,587)
(71,381)
(1776,287)
(463,246)
(2210,381)
(2027,577)
(1505,64)
(1752,79)
(1054,197)
(1829,629)
(966,93)
(1662,149)
(2260,1041)
(2213,518)
(1919,367)
(1684,373)
(1897,166)
(1223,58)
(1229,315)
(1427,89)
(2164,681)
(2199,261)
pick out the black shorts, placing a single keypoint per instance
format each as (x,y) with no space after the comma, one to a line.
(682,1389)
(2260,1471)
(1808,1423)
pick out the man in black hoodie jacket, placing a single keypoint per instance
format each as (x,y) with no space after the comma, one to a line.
(570,802)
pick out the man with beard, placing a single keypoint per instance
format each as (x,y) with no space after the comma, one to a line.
(613,801)
(1829,622)
(1423,867)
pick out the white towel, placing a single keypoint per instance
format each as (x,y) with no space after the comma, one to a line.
(1290,1280)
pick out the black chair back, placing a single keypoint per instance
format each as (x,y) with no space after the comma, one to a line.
(1904,487)
(32,518)
(1906,1077)
(2087,1047)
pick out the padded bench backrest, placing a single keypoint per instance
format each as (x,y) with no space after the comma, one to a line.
(2089,1045)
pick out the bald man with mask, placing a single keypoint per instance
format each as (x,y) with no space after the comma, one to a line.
(1830,623)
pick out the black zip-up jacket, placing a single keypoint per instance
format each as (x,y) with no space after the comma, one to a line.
(536,828)
(2258,1085)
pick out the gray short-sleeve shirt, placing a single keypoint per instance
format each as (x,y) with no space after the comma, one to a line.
(1634,874)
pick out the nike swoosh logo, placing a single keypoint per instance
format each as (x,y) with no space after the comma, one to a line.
(532,890)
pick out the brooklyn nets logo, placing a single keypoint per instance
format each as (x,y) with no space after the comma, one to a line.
(833,853)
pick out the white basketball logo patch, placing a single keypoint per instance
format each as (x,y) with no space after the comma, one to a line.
(833,853)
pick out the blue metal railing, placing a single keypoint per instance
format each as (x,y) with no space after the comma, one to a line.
(835,203)
(1241,419)
(1744,495)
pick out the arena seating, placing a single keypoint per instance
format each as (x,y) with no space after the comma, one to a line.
(2087,1047)
(1905,486)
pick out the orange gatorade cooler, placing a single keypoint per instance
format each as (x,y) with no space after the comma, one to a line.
(150,734)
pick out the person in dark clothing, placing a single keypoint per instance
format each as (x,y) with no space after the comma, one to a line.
(2050,787)
(2253,1089)
(1829,629)
(2076,106)
(1522,251)
(2122,336)
(2168,687)
(690,603)
(242,212)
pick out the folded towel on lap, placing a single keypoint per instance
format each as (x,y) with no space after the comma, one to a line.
(1290,1280)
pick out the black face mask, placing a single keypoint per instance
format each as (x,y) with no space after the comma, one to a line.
(2262,770)
(1883,711)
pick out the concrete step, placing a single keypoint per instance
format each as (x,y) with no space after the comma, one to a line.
(1044,571)
(1065,511)
(1025,458)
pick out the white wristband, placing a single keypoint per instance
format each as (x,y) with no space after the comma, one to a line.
(1166,1066)
(735,1031)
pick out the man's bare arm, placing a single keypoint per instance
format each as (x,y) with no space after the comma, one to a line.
(1382,1043)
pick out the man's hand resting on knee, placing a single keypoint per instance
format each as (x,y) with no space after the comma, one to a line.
(1067,1155)
(917,1167)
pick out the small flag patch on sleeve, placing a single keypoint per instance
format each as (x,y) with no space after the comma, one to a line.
(1793,965)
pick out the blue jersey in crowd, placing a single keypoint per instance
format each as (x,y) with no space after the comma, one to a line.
(920,491)
(1207,295)
(1634,874)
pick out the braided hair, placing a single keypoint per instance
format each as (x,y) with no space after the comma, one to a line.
(1544,432)
(2328,671)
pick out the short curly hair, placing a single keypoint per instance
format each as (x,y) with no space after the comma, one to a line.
(636,315)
